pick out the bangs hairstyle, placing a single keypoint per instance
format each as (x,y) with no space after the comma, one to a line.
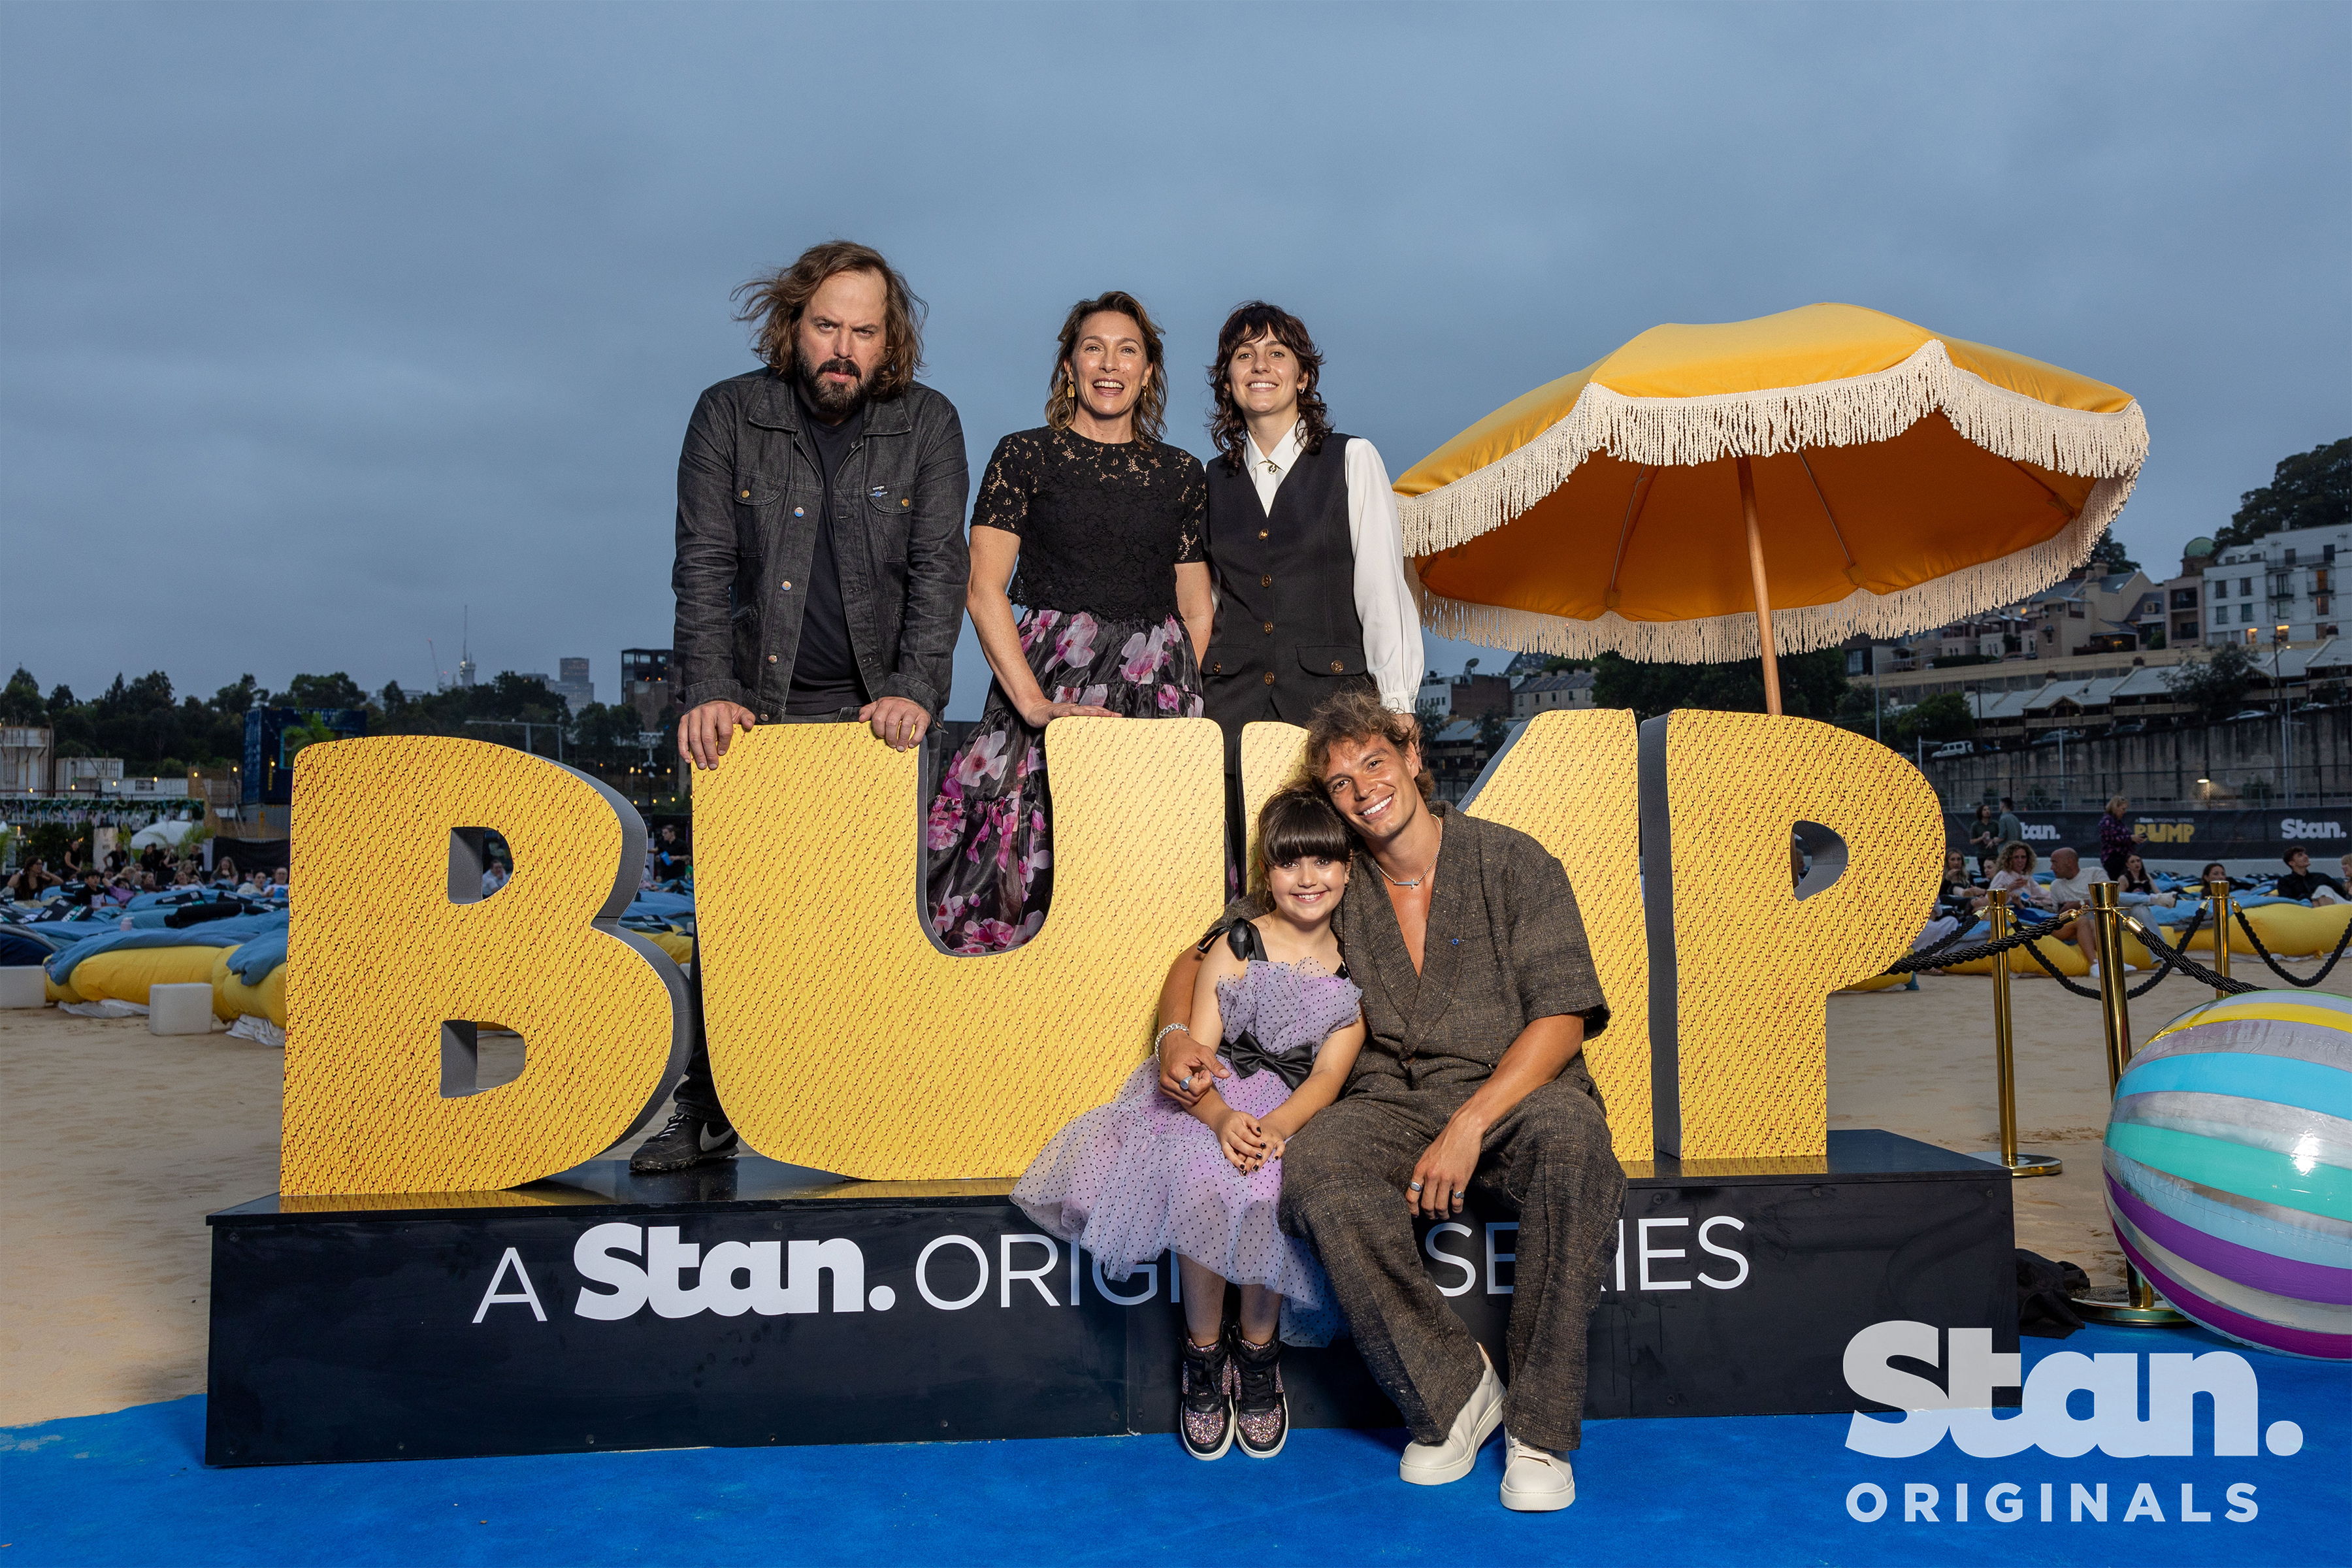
(1358,717)
(774,302)
(1300,821)
(1152,407)
(1257,318)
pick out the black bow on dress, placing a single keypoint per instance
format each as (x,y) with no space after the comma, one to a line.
(1248,1056)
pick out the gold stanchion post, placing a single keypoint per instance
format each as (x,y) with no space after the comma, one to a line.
(2217,910)
(2138,1306)
(2004,1060)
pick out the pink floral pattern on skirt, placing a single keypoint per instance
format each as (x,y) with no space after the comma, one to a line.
(989,838)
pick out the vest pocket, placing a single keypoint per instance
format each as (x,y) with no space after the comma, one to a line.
(1332,658)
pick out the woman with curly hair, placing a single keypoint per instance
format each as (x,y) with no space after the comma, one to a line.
(1304,544)
(1092,526)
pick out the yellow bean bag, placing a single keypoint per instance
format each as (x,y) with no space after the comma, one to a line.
(234,999)
(124,974)
(677,943)
(1882,982)
(2289,930)
(2292,931)
(52,992)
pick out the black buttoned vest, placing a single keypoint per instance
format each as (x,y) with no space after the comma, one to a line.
(1287,635)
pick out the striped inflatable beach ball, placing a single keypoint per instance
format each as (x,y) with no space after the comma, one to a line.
(2228,1169)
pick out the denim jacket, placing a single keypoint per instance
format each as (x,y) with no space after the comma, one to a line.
(749,496)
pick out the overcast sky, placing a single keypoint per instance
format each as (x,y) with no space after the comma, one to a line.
(321,323)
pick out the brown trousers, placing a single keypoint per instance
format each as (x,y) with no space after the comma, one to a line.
(1343,1189)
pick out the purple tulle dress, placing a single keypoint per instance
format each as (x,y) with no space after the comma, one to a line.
(1141,1176)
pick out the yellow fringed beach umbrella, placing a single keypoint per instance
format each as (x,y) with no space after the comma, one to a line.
(1822,473)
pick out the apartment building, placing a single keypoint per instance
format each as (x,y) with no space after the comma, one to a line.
(2283,587)
(1541,693)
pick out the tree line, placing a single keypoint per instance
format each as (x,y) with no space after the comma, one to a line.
(160,733)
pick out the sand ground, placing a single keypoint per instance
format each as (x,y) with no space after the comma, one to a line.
(122,1140)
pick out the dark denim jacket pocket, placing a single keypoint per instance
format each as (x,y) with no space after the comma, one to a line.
(743,631)
(758,489)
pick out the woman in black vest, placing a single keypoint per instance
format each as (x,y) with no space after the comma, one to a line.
(1303,544)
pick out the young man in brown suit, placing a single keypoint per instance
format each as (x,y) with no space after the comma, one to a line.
(1479,993)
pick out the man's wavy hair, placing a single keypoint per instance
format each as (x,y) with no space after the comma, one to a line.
(1358,718)
(1257,318)
(1152,407)
(774,302)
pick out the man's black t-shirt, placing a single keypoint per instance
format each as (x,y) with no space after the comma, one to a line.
(825,678)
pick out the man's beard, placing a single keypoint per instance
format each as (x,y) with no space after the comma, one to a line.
(833,404)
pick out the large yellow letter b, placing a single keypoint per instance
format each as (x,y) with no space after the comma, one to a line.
(395,954)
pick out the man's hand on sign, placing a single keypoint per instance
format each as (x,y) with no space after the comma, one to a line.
(705,733)
(897,721)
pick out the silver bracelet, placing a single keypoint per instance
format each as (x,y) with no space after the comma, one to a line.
(1165,1030)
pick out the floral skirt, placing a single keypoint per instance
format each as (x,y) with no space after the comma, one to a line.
(989,867)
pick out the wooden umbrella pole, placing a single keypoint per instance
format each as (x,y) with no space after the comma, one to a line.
(1763,597)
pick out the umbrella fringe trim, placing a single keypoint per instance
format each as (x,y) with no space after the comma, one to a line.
(1685,431)
(1719,639)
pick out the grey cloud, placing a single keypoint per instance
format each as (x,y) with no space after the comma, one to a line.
(323,321)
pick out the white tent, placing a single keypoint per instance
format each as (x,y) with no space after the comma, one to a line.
(170,835)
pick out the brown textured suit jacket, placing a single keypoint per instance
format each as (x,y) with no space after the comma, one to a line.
(1505,947)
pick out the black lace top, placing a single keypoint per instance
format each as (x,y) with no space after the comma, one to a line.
(1102,528)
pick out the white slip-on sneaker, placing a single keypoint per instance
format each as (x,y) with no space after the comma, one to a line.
(1434,1464)
(1535,1481)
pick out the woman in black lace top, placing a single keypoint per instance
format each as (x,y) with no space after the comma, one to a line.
(1102,521)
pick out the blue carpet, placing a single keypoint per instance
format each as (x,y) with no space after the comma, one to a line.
(129,1489)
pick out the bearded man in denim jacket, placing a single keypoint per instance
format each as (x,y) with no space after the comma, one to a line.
(821,557)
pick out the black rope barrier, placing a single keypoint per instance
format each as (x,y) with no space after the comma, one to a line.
(1937,958)
(2186,964)
(2256,937)
(2187,932)
(2067,981)
(2171,959)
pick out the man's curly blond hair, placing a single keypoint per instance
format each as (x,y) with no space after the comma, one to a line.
(1358,717)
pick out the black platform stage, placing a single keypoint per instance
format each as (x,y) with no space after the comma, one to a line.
(754,1302)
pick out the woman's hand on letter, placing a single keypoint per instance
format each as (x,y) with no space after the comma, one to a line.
(1037,715)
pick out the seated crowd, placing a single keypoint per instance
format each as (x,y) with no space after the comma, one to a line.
(2063,889)
(115,881)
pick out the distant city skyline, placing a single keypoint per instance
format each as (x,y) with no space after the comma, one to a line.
(324,323)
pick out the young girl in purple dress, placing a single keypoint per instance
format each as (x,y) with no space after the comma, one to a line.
(1142,1175)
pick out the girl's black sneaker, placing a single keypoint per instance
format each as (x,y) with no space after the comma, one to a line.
(1261,1409)
(1206,1415)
